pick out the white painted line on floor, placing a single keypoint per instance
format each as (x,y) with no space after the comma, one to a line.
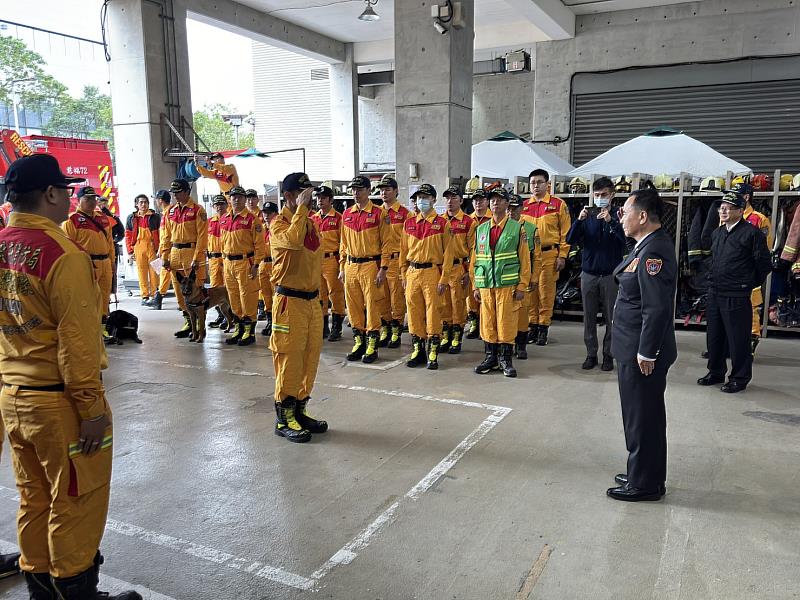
(673,555)
(379,366)
(402,394)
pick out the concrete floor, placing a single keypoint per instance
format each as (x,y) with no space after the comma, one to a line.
(459,487)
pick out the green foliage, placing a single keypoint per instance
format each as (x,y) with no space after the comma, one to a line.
(87,116)
(18,62)
(216,133)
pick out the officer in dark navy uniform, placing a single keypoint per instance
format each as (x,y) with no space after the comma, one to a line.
(643,343)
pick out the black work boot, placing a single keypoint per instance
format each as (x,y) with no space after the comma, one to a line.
(473,326)
(754,340)
(40,587)
(326,331)
(589,363)
(156,302)
(520,345)
(262,313)
(238,331)
(305,420)
(268,327)
(359,346)
(490,362)
(383,334)
(608,363)
(286,424)
(417,352)
(506,353)
(455,339)
(219,320)
(395,330)
(336,327)
(533,333)
(186,330)
(9,565)
(433,353)
(84,587)
(371,351)
(444,342)
(248,332)
(541,337)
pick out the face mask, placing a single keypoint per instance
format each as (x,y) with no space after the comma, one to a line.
(601,202)
(424,205)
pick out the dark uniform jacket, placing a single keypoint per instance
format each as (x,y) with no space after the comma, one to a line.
(602,244)
(740,260)
(644,314)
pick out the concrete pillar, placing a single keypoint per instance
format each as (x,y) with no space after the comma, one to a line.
(433,95)
(344,117)
(149,76)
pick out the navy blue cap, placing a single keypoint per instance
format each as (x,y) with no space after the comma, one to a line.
(179,185)
(219,199)
(236,190)
(734,198)
(425,188)
(499,191)
(360,181)
(387,181)
(269,207)
(743,188)
(323,190)
(453,190)
(86,190)
(295,181)
(162,195)
(36,172)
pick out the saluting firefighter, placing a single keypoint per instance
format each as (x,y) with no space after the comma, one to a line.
(216,267)
(331,290)
(242,252)
(363,262)
(91,230)
(462,228)
(53,403)
(268,213)
(295,341)
(216,169)
(184,243)
(163,202)
(393,312)
(480,215)
(528,224)
(426,259)
(552,219)
(141,241)
(500,270)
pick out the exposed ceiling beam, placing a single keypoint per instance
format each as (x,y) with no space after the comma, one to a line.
(265,28)
(555,20)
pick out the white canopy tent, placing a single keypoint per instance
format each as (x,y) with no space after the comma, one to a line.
(507,156)
(661,151)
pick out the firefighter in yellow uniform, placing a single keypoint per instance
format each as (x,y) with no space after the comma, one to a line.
(552,219)
(331,290)
(53,403)
(164,203)
(463,228)
(252,203)
(225,175)
(393,312)
(216,274)
(480,215)
(426,260)
(521,341)
(242,250)
(500,269)
(268,214)
(363,262)
(91,230)
(184,243)
(141,241)
(297,317)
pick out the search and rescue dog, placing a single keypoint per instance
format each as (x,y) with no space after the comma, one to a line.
(199,300)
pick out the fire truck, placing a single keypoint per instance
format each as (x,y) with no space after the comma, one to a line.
(78,158)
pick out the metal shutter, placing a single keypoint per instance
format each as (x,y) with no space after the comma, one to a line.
(755,123)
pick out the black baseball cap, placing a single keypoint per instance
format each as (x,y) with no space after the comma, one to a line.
(36,172)
(295,181)
(425,188)
(219,199)
(360,181)
(479,193)
(734,198)
(269,207)
(388,181)
(323,190)
(162,195)
(500,191)
(179,185)
(236,190)
(250,193)
(514,200)
(743,188)
(86,190)
(453,190)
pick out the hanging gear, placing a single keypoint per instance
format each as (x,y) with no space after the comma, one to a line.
(286,424)
(622,185)
(663,182)
(417,358)
(490,361)
(762,182)
(578,185)
(712,184)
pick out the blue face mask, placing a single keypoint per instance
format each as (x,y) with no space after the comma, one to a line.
(601,202)
(424,204)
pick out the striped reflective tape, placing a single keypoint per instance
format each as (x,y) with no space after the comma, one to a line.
(75,447)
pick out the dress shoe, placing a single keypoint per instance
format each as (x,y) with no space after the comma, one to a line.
(622,479)
(589,363)
(632,494)
(704,354)
(733,387)
(710,379)
(608,363)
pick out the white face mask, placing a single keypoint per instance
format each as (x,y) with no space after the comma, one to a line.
(424,204)
(601,202)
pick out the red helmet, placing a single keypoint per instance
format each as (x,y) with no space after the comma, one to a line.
(762,182)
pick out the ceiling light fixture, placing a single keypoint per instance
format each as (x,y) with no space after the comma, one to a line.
(369,14)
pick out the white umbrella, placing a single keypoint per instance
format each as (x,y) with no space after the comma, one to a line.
(507,156)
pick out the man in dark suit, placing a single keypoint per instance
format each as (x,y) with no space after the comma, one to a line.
(643,343)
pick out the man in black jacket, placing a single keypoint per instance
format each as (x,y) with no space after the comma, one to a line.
(643,342)
(740,261)
(600,236)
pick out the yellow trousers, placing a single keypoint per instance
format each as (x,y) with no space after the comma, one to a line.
(330,288)
(522,318)
(499,315)
(295,344)
(423,301)
(63,493)
(362,296)
(455,298)
(164,281)
(104,276)
(180,259)
(757,299)
(393,307)
(143,254)
(265,284)
(472,304)
(242,289)
(544,295)
(216,272)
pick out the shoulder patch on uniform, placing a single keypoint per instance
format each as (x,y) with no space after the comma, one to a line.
(653,266)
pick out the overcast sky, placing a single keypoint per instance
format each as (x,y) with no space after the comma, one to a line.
(77,64)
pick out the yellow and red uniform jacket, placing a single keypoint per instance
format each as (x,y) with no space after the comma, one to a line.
(214,236)
(365,233)
(150,221)
(481,220)
(225,175)
(330,229)
(242,234)
(427,240)
(93,234)
(760,221)
(296,254)
(185,225)
(50,322)
(397,215)
(552,219)
(463,227)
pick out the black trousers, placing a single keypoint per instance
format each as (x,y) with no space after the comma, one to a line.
(729,322)
(644,418)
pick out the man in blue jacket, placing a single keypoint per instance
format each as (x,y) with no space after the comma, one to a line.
(602,240)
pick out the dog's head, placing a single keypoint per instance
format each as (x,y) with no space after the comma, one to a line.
(188,283)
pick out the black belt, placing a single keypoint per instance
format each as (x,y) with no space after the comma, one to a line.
(267,259)
(215,255)
(458,261)
(364,259)
(98,256)
(329,254)
(181,246)
(58,387)
(239,256)
(296,293)
(394,255)
(417,265)
(548,248)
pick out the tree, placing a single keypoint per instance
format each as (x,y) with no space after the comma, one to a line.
(21,71)
(87,116)
(216,133)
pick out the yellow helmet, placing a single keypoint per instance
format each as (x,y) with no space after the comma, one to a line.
(578,185)
(740,179)
(712,184)
(796,182)
(663,182)
(622,185)
(786,182)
